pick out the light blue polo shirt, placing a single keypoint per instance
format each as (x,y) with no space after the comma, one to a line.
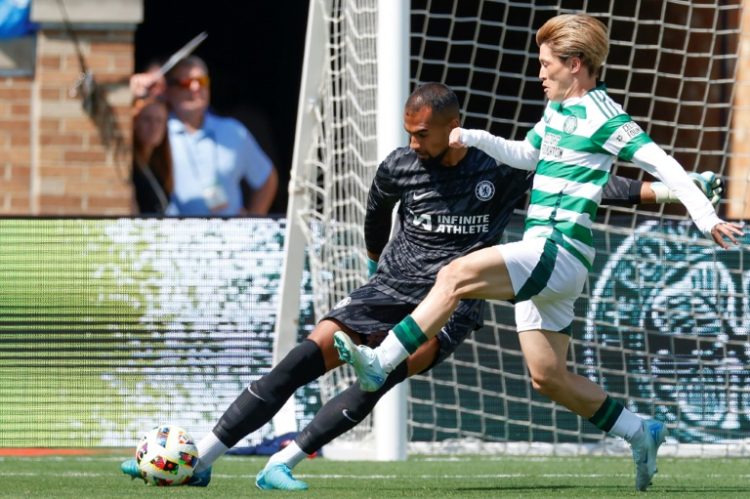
(221,153)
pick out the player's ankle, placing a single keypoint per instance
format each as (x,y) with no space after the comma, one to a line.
(290,455)
(391,352)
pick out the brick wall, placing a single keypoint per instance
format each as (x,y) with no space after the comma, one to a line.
(15,143)
(83,159)
(56,158)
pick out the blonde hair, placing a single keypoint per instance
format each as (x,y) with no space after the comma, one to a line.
(576,35)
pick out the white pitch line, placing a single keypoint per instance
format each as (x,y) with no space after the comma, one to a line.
(71,458)
(74,474)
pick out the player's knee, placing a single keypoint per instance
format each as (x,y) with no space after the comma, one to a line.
(548,381)
(449,280)
(322,337)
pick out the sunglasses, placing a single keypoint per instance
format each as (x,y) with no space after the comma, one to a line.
(203,82)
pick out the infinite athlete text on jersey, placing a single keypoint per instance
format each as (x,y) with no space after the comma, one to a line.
(454,224)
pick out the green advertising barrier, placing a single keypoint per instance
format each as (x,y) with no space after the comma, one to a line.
(109,327)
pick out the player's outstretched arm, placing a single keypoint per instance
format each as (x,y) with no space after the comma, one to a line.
(708,182)
(655,161)
(518,154)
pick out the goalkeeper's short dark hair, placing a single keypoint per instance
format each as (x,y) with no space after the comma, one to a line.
(437,96)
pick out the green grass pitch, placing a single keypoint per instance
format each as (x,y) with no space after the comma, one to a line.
(479,477)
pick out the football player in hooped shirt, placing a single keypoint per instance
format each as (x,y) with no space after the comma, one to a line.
(452,201)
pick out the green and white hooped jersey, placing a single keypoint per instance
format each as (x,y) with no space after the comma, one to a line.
(578,141)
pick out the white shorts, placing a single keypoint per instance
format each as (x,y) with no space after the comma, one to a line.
(547,280)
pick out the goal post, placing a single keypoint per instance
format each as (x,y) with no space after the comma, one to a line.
(287,318)
(662,323)
(329,66)
(393,89)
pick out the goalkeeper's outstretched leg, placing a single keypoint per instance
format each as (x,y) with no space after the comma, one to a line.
(263,398)
(348,409)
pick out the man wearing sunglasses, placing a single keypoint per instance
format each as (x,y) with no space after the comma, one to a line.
(212,154)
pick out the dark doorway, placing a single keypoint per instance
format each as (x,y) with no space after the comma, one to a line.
(254,52)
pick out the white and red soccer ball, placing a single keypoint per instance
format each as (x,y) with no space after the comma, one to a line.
(166,456)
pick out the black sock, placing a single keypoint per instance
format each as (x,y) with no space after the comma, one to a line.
(606,416)
(344,412)
(256,405)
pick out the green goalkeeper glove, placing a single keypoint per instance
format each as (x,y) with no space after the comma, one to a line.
(372,266)
(708,182)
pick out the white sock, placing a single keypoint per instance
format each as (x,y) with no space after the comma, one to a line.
(627,425)
(391,352)
(290,455)
(210,449)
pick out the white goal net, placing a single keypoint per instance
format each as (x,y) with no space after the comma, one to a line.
(664,322)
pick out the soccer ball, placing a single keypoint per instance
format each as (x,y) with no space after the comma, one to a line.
(166,456)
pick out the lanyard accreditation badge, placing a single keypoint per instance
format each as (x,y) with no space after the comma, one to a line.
(215,197)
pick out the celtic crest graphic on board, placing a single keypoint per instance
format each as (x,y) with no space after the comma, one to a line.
(668,325)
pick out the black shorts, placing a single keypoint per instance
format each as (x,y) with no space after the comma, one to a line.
(372,313)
